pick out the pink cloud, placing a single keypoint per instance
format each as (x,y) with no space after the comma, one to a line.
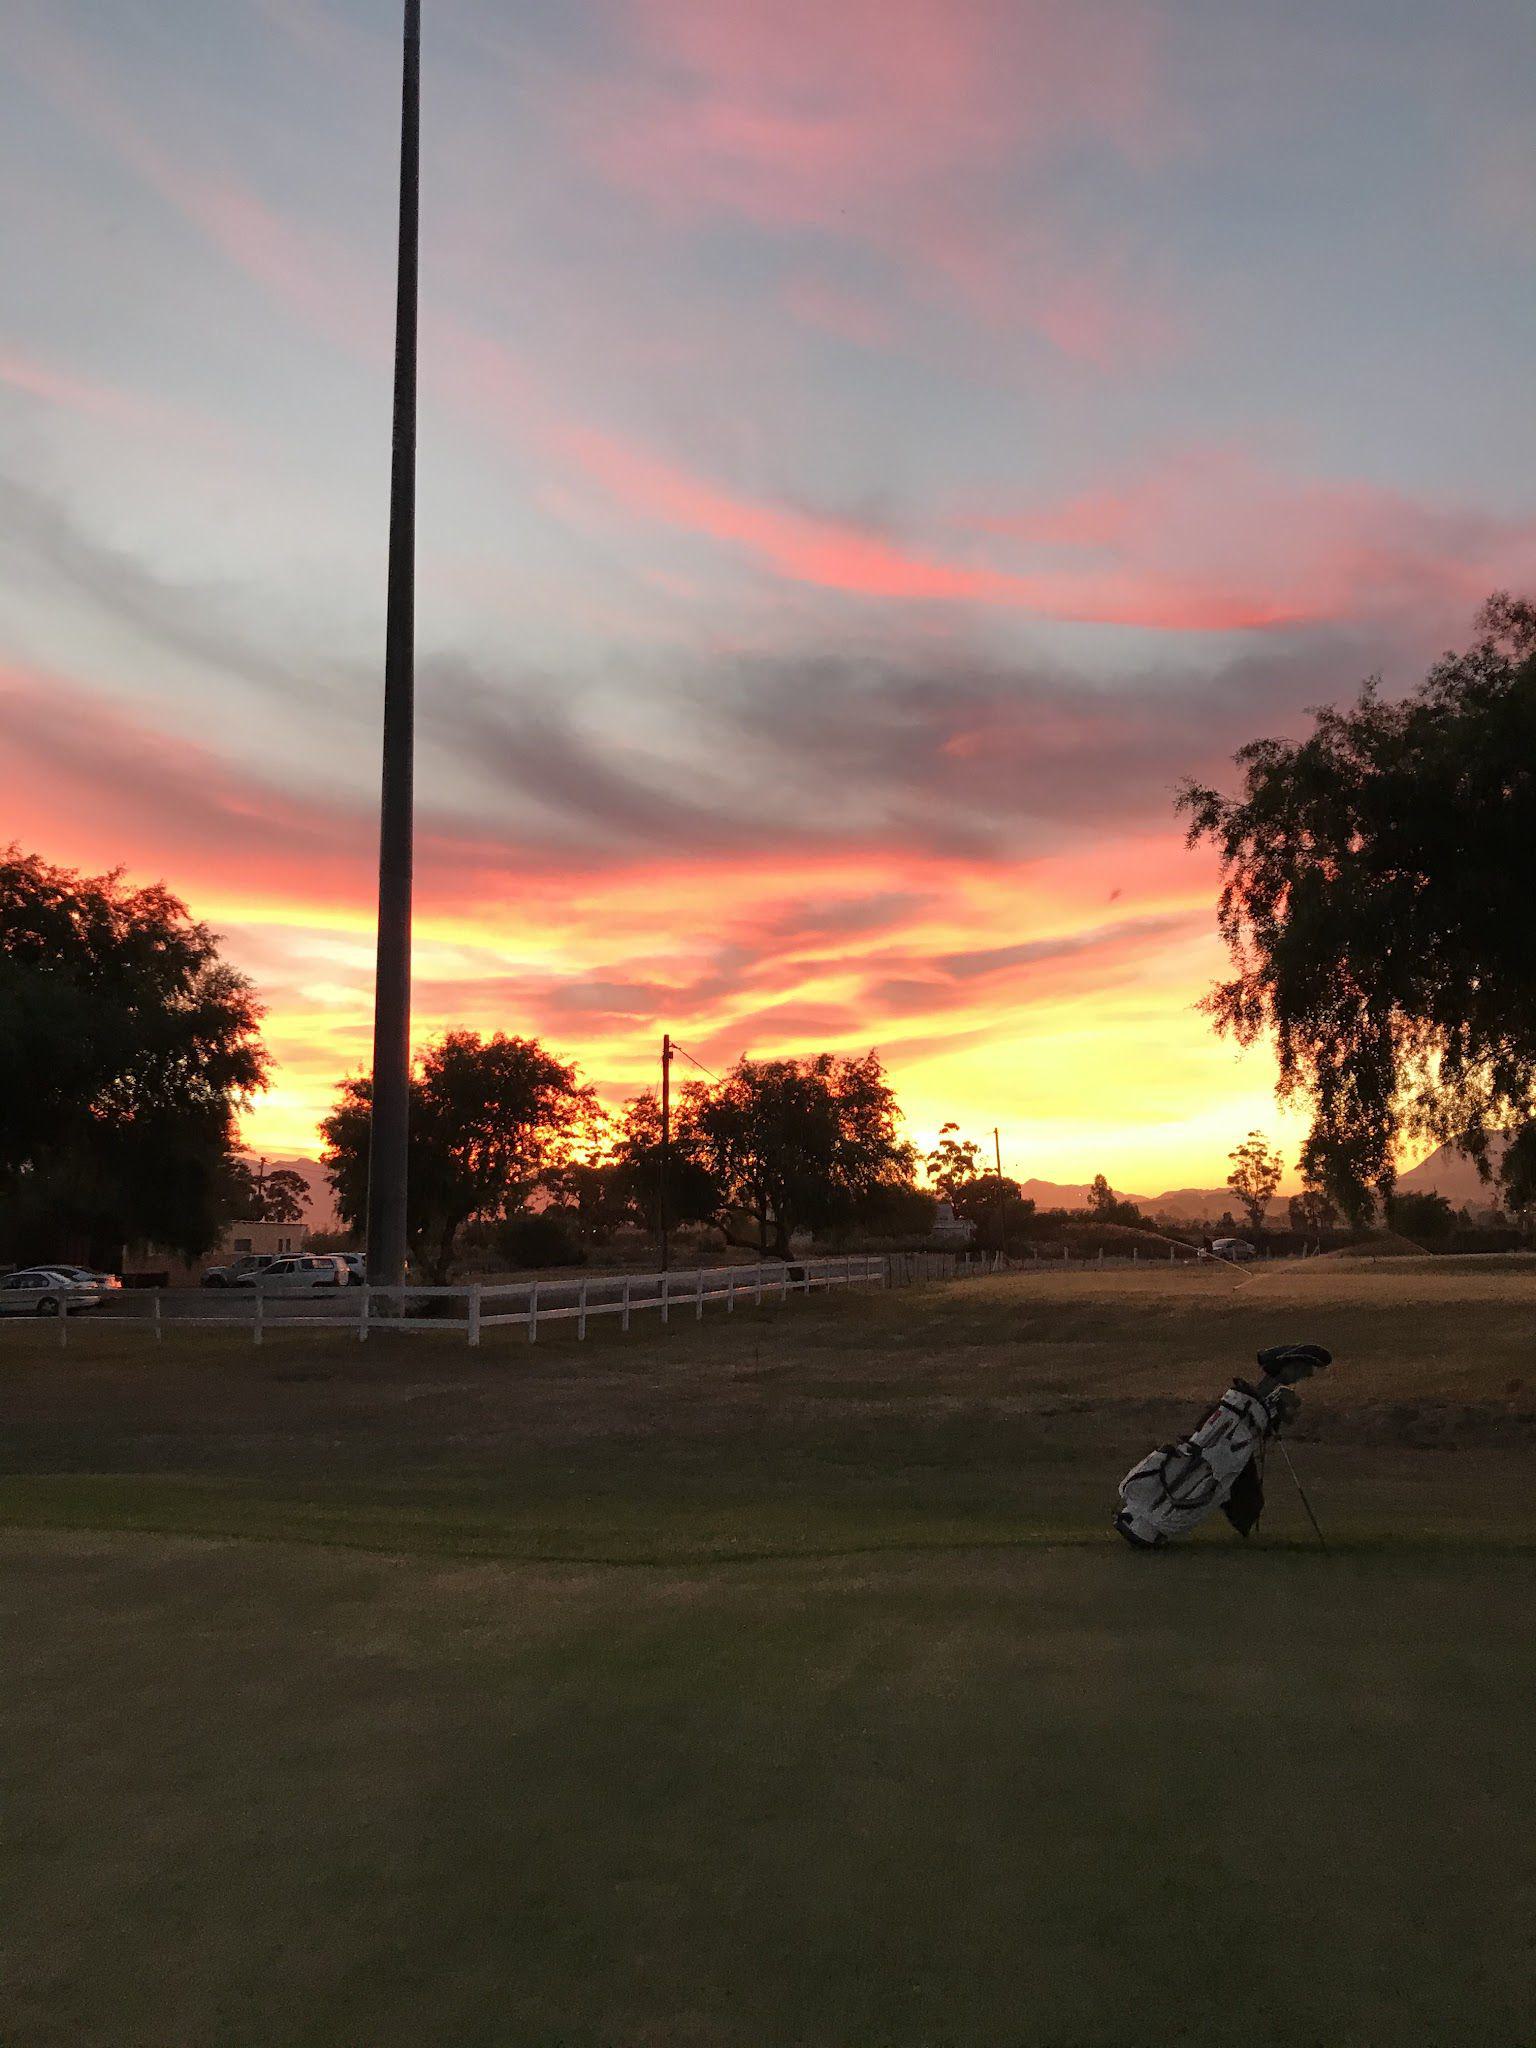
(905,126)
(1297,548)
(791,112)
(275,253)
(131,412)
(1207,541)
(821,302)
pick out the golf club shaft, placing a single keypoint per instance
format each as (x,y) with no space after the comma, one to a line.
(1290,1467)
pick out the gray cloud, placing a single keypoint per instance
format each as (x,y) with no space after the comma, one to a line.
(948,755)
(39,531)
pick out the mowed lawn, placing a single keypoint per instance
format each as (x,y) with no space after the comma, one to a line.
(774,1680)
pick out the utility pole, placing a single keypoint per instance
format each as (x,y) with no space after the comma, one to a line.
(997,1146)
(392,984)
(665,1188)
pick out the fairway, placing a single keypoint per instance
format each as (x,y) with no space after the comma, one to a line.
(775,1681)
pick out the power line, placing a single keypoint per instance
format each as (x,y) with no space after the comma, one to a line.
(687,1055)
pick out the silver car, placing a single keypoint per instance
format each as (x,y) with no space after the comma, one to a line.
(44,1291)
(88,1277)
(301,1272)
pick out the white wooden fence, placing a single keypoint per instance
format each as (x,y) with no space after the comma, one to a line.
(471,1308)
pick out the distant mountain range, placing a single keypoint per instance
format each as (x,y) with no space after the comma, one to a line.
(1453,1175)
(1191,1202)
(1446,1170)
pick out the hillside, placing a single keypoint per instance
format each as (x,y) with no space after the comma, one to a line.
(1052,1194)
(1450,1173)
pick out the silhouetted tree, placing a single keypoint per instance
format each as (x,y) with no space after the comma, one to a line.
(490,1119)
(1311,1212)
(799,1144)
(693,1190)
(1001,1214)
(1377,904)
(127,1046)
(254,1195)
(1107,1207)
(1426,1217)
(953,1162)
(1256,1171)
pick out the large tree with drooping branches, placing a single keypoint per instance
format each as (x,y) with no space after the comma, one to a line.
(1378,906)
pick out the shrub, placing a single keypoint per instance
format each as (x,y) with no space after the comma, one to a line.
(544,1239)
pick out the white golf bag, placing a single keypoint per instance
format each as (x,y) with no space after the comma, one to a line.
(1219,1464)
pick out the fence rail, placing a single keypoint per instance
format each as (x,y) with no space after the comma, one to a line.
(473,1307)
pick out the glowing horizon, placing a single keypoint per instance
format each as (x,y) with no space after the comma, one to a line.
(870,456)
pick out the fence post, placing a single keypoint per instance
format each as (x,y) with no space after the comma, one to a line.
(154,1311)
(624,1324)
(757,1289)
(256,1296)
(1101,1255)
(362,1314)
(533,1313)
(784,1281)
(665,1299)
(1135,1254)
(730,1289)
(63,1321)
(473,1317)
(581,1311)
(698,1297)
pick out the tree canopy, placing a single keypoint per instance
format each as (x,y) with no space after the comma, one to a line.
(1377,906)
(953,1163)
(798,1144)
(255,1194)
(490,1120)
(1255,1175)
(127,1047)
(693,1192)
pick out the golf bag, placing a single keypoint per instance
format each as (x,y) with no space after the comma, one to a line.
(1220,1463)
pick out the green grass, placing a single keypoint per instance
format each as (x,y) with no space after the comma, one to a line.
(772,1684)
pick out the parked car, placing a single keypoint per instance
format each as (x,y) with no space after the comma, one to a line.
(42,1291)
(87,1278)
(1234,1249)
(356,1264)
(239,1273)
(301,1272)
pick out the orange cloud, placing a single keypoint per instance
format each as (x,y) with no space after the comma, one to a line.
(949,965)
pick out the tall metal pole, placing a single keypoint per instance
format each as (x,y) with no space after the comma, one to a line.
(665,1190)
(392,986)
(997,1145)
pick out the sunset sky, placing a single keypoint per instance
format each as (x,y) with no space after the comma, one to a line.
(870,451)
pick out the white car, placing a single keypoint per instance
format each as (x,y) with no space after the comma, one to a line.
(87,1277)
(1235,1250)
(301,1273)
(44,1291)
